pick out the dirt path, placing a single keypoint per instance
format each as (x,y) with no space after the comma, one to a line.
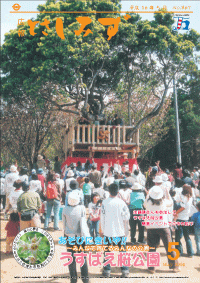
(12,272)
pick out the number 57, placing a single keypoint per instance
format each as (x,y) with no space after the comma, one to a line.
(170,249)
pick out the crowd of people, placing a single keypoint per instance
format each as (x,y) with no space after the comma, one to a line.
(109,200)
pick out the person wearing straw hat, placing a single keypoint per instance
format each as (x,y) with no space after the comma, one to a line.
(159,228)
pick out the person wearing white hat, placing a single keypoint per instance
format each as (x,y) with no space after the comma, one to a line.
(71,217)
(70,177)
(159,228)
(8,184)
(166,182)
(158,180)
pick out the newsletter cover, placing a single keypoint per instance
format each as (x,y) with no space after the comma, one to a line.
(79,60)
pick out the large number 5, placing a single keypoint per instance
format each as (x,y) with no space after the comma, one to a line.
(175,250)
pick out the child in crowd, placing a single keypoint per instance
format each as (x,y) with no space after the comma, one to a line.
(99,190)
(196,219)
(94,215)
(12,228)
(87,192)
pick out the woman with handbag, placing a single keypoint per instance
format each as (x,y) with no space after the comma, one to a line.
(74,225)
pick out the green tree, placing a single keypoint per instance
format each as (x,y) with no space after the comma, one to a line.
(189,121)
(79,72)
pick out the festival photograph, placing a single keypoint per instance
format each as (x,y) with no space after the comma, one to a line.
(100,141)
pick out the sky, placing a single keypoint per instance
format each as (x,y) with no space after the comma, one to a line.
(9,21)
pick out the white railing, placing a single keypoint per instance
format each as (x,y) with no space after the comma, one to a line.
(89,134)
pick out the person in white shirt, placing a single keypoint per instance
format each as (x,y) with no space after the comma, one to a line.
(166,181)
(124,191)
(2,191)
(8,184)
(114,216)
(94,215)
(182,215)
(35,184)
(99,190)
(72,216)
(13,197)
(23,175)
(70,177)
(159,228)
(109,180)
(158,180)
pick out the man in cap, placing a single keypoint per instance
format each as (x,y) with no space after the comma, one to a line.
(28,205)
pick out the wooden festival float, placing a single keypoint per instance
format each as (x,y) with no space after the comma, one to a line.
(83,142)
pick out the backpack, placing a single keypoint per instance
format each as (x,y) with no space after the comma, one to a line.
(52,192)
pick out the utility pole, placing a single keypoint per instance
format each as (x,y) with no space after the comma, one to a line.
(178,143)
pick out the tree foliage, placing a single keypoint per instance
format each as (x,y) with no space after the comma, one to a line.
(81,74)
(188,90)
(26,127)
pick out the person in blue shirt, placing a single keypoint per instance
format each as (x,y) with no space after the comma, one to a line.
(137,198)
(196,219)
(87,192)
